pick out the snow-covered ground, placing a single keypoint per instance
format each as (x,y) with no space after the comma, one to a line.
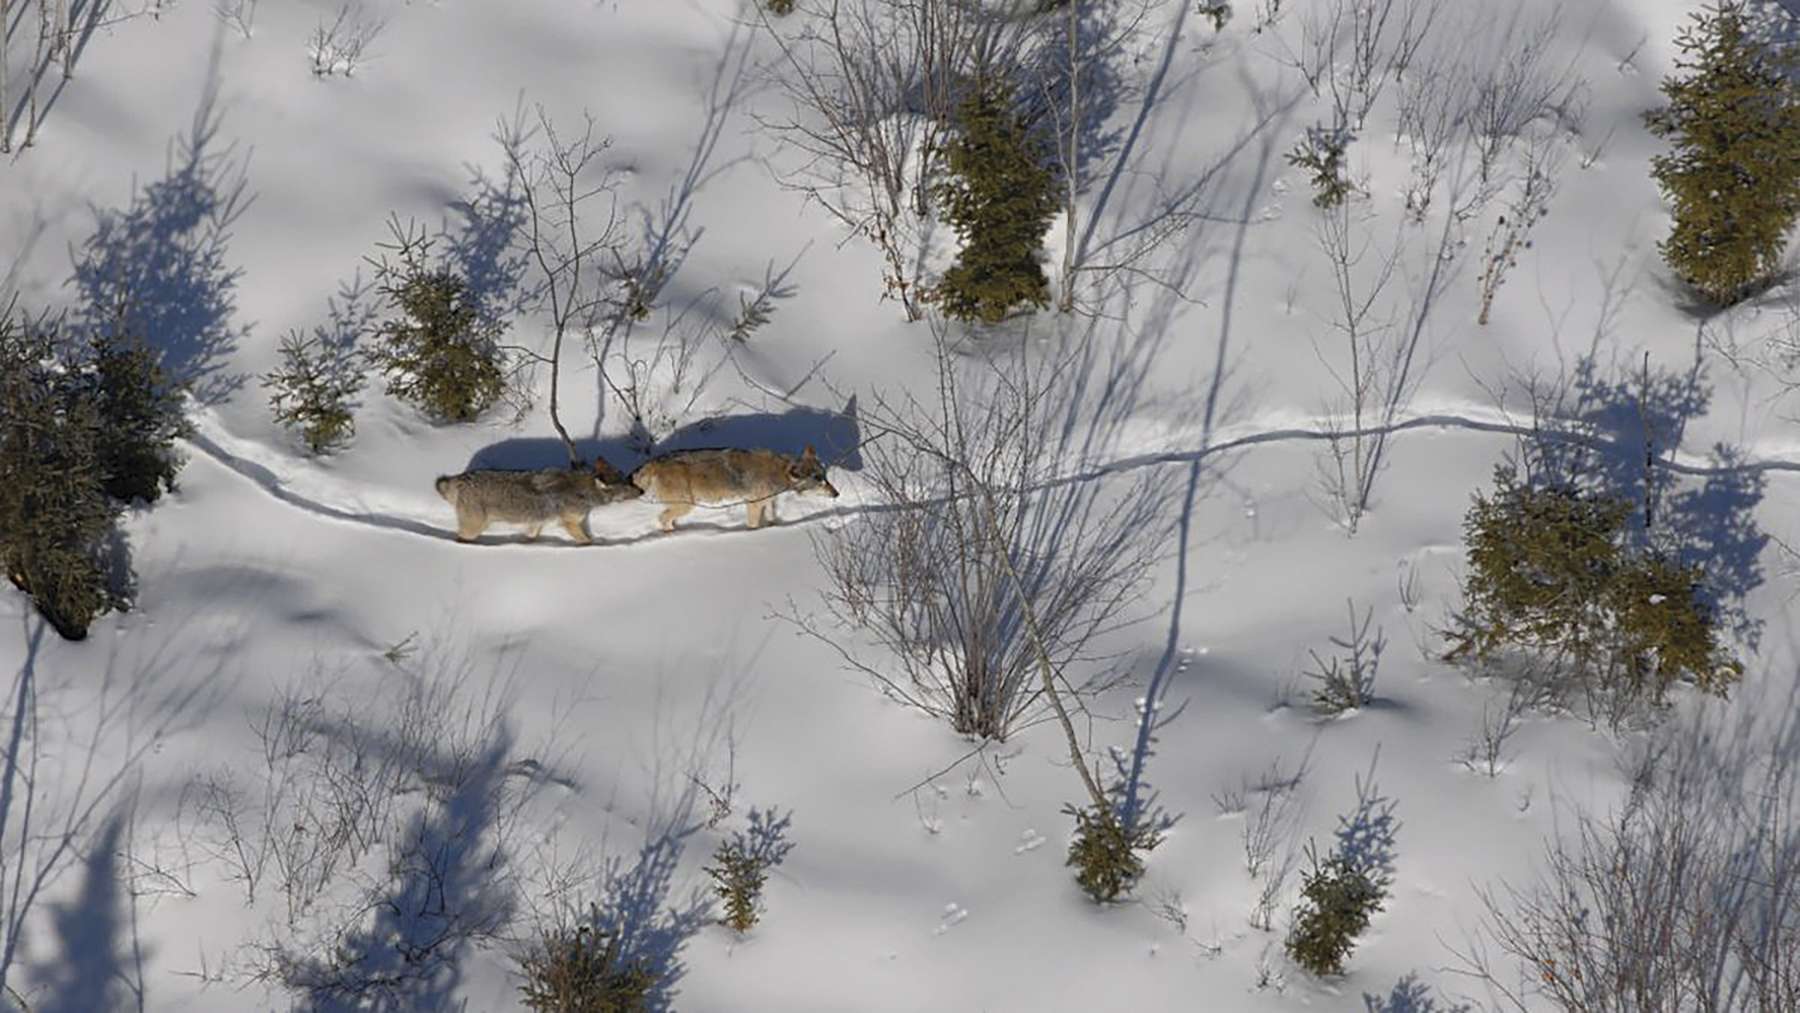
(922,877)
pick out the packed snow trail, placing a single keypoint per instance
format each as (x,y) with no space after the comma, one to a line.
(416,514)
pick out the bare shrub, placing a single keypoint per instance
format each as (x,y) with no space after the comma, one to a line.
(982,553)
(1512,229)
(1485,752)
(872,84)
(343,45)
(385,819)
(1686,897)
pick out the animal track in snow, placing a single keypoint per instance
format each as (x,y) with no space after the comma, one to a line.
(1030,840)
(954,913)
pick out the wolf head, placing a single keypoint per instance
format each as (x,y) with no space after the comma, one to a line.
(806,474)
(612,485)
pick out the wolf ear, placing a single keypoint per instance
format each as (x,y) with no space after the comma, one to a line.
(808,456)
(605,472)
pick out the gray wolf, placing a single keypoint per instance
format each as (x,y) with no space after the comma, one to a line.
(686,478)
(532,498)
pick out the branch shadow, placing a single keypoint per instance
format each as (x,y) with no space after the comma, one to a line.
(157,267)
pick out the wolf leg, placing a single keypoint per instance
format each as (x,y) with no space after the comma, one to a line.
(470,526)
(754,515)
(533,530)
(572,524)
(672,513)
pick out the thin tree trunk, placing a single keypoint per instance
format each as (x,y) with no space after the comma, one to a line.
(1045,670)
(37,62)
(64,31)
(5,111)
(1071,158)
(555,377)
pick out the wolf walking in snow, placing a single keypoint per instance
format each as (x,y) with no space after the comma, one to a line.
(533,498)
(686,478)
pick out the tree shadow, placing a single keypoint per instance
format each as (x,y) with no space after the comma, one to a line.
(157,268)
(64,766)
(1410,995)
(90,971)
(481,247)
(1365,837)
(1616,430)
(835,435)
(443,897)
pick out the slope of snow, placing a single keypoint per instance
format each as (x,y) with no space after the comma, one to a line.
(917,881)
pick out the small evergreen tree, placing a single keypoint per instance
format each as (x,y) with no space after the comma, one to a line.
(1550,571)
(741,866)
(312,391)
(583,970)
(55,514)
(1107,855)
(999,197)
(1337,901)
(141,411)
(1733,177)
(440,353)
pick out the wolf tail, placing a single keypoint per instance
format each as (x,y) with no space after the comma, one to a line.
(443,486)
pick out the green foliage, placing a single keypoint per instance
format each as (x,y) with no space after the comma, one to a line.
(1107,855)
(1217,11)
(439,353)
(779,8)
(741,866)
(1322,154)
(311,391)
(1337,901)
(55,514)
(999,196)
(141,416)
(1550,572)
(582,970)
(1733,177)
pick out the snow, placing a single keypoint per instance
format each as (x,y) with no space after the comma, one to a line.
(917,882)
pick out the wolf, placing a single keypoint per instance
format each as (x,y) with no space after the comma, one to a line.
(532,498)
(685,478)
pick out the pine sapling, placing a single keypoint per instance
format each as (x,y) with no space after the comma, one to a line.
(999,197)
(439,352)
(312,392)
(741,866)
(1337,901)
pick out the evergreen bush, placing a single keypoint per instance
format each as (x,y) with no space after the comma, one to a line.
(440,353)
(582,970)
(1550,571)
(1733,178)
(311,392)
(741,866)
(1337,901)
(999,196)
(1107,855)
(55,513)
(141,412)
